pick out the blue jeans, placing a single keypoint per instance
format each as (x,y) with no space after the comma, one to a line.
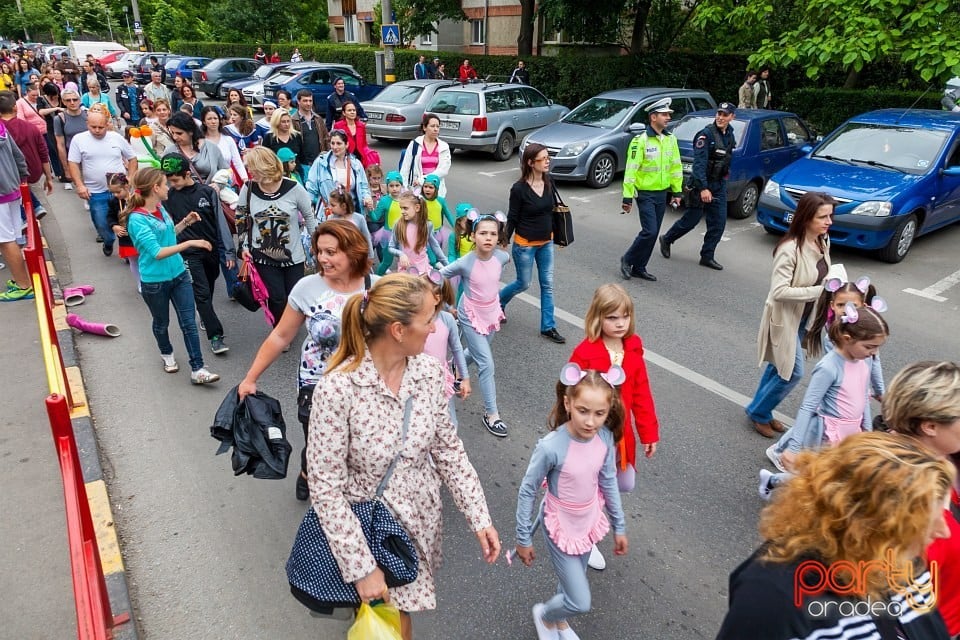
(651,206)
(99,207)
(179,291)
(716,214)
(478,350)
(230,278)
(523,259)
(773,389)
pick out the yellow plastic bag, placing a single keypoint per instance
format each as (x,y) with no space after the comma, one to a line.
(381,622)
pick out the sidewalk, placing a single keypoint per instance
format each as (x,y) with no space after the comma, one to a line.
(37,601)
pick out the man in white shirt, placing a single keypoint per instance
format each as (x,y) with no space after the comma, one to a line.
(156,89)
(93,154)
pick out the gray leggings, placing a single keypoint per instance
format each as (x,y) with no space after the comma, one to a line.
(478,350)
(573,590)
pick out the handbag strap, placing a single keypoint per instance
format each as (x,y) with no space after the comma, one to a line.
(556,195)
(407,408)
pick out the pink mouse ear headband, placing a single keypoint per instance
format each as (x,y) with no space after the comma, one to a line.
(475,217)
(851,315)
(862,283)
(571,374)
(432,275)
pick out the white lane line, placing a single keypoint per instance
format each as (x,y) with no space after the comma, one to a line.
(666,364)
(491,174)
(579,199)
(933,291)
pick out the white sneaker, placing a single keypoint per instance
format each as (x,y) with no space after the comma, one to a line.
(543,632)
(596,560)
(169,363)
(774,457)
(765,489)
(202,376)
(67,186)
(568,634)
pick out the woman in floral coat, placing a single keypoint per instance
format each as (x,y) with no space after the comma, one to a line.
(355,432)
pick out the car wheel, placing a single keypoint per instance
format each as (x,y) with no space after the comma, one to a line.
(212,96)
(600,173)
(773,231)
(902,240)
(505,146)
(746,204)
(220,94)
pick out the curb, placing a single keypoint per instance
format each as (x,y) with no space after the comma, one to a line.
(111,560)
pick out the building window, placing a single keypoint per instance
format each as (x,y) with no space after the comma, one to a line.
(478,31)
(427,38)
(350,28)
(552,32)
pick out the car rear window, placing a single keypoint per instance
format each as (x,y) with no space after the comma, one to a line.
(400,94)
(692,125)
(281,77)
(461,103)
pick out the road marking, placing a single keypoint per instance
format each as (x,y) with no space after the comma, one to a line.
(675,368)
(579,199)
(933,291)
(491,174)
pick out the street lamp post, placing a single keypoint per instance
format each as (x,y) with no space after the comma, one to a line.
(109,26)
(126,16)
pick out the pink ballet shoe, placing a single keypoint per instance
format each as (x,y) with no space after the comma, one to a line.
(96,328)
(73,296)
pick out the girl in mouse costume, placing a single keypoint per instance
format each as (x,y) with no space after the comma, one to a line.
(479,309)
(578,460)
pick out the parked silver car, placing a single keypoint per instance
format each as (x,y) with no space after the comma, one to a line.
(395,113)
(492,117)
(590,143)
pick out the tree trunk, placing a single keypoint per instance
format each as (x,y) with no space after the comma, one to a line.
(525,39)
(853,79)
(642,12)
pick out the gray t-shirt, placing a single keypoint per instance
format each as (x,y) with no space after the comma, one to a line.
(322,306)
(68,126)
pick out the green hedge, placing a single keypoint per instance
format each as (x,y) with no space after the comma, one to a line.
(826,109)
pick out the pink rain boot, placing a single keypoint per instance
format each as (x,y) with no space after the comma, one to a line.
(72,296)
(100,329)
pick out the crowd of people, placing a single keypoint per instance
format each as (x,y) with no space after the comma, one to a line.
(403,301)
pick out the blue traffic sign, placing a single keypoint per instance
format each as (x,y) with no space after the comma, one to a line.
(390,34)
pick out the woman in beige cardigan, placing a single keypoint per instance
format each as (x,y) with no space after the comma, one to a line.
(800,263)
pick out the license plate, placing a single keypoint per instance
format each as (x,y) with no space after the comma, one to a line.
(374,115)
(450,124)
(788,218)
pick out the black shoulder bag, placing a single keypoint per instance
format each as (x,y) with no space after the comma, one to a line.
(312,571)
(562,220)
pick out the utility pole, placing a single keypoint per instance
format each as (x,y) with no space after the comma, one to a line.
(26,36)
(126,16)
(109,25)
(137,22)
(389,65)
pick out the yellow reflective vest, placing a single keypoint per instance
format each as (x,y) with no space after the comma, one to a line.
(653,164)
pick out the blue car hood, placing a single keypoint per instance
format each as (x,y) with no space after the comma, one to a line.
(845,181)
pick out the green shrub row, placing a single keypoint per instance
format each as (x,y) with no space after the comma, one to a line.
(826,109)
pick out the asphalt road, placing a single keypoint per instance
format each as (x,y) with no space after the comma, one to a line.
(205,550)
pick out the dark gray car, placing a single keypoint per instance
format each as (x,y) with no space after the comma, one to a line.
(211,77)
(590,143)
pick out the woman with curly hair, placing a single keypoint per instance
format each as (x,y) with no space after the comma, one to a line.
(842,547)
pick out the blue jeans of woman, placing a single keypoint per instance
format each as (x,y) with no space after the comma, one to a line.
(478,350)
(523,259)
(179,291)
(773,389)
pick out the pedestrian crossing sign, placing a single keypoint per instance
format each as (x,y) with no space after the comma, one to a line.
(390,34)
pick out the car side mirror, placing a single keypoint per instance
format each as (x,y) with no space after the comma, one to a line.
(549,102)
(953,172)
(636,128)
(807,148)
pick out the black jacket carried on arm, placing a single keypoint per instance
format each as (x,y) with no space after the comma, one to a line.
(256,431)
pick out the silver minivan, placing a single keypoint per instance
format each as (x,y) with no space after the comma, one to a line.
(492,117)
(590,143)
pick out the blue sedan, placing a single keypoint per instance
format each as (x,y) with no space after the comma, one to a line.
(895,174)
(183,67)
(767,141)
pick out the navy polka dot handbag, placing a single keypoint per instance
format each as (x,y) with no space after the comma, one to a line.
(315,579)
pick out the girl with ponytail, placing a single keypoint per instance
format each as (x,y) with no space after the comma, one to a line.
(163,276)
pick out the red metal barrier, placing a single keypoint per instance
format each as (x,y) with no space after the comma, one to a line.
(94,616)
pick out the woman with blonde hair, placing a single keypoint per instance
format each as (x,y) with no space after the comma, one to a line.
(283,134)
(274,205)
(164,278)
(873,503)
(923,402)
(379,373)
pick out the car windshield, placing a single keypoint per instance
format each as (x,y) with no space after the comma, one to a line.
(461,103)
(281,76)
(263,72)
(399,94)
(692,125)
(903,149)
(605,113)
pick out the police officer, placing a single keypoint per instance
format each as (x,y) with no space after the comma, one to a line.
(654,175)
(951,95)
(712,151)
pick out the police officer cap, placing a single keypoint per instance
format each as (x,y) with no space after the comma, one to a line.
(727,107)
(953,83)
(661,106)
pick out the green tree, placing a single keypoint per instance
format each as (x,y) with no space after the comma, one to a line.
(418,17)
(239,20)
(849,34)
(87,17)
(38,19)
